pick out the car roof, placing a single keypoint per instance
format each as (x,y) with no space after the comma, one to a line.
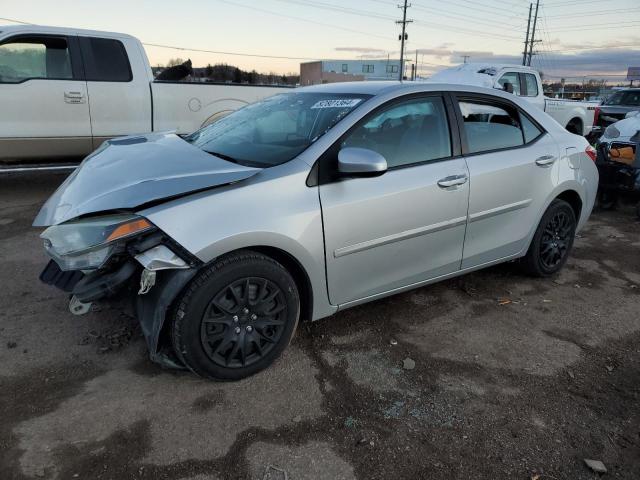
(43,29)
(376,88)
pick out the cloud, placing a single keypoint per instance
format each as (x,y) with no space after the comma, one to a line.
(607,60)
(610,63)
(360,50)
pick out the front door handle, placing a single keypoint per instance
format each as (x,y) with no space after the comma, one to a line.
(452,181)
(73,97)
(545,160)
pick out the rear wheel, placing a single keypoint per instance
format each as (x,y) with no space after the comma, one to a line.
(575,126)
(552,241)
(236,317)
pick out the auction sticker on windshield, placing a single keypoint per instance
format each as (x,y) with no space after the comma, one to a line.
(337,103)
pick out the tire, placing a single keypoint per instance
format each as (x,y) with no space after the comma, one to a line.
(552,241)
(607,200)
(236,317)
(575,127)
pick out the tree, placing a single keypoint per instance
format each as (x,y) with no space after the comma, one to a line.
(175,61)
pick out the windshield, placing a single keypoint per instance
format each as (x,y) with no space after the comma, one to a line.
(631,98)
(276,129)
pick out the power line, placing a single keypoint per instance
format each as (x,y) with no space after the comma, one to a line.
(219,52)
(277,14)
(15,21)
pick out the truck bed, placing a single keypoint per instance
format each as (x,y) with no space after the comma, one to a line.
(184,107)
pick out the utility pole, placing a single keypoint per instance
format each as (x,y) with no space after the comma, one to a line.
(533,34)
(526,38)
(415,76)
(403,37)
(465,58)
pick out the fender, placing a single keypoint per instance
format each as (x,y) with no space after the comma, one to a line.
(571,185)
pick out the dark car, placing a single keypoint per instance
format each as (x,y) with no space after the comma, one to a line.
(615,108)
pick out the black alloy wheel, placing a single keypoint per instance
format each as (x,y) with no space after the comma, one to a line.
(552,241)
(243,322)
(556,238)
(236,317)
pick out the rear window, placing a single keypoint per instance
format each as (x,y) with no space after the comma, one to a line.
(105,60)
(532,84)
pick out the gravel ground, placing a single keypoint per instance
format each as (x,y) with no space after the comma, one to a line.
(514,378)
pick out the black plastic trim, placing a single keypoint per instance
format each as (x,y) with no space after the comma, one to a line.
(55,276)
(97,285)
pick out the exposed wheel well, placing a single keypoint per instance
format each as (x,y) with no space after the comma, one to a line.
(573,199)
(298,273)
(575,126)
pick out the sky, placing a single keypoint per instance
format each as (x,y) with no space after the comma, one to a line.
(580,38)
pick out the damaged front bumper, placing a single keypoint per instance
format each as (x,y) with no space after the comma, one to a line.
(151,273)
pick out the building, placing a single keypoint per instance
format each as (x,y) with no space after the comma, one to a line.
(330,71)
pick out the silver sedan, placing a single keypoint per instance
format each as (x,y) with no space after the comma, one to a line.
(310,202)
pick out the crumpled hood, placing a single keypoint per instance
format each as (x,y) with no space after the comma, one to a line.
(128,172)
(627,127)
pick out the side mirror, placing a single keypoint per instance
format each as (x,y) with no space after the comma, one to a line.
(508,87)
(361,161)
(632,113)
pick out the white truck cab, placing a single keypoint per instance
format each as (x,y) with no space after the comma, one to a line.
(64,91)
(525,82)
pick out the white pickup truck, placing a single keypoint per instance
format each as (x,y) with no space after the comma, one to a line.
(576,117)
(63,91)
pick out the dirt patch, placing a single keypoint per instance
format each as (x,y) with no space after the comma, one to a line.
(514,377)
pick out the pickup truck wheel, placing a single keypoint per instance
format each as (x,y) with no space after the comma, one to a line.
(236,317)
(575,126)
(552,241)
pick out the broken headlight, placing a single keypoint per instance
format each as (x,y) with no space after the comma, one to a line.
(87,244)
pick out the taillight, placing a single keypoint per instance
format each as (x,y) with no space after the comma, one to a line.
(596,115)
(592,152)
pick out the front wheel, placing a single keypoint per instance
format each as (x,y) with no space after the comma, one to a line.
(552,241)
(236,317)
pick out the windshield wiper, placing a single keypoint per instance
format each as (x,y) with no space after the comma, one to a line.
(244,163)
(223,157)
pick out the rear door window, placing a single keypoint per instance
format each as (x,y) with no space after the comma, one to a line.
(490,126)
(25,58)
(105,60)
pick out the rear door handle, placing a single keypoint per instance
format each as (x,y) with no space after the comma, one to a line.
(545,160)
(452,181)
